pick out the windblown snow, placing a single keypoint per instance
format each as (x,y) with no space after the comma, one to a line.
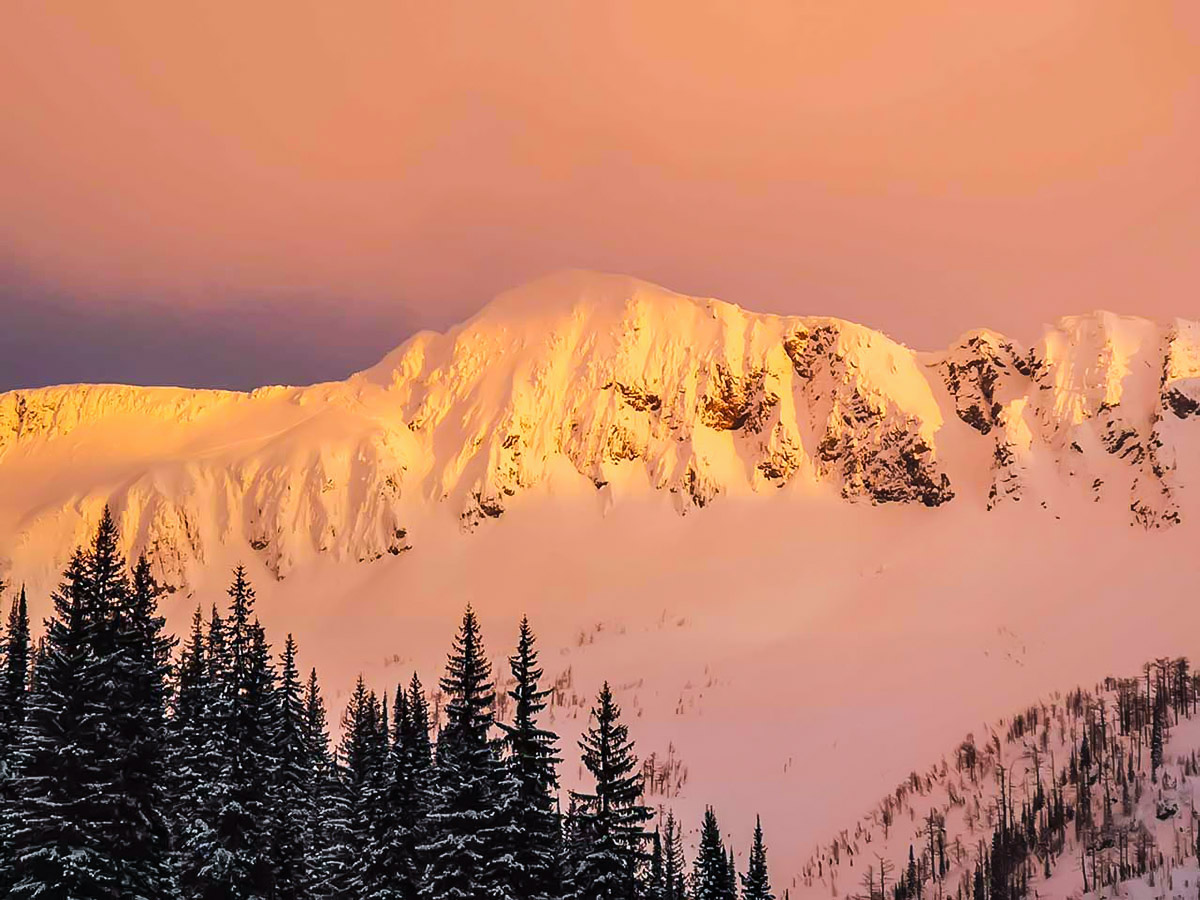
(808,557)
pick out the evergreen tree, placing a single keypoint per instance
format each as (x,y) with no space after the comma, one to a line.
(331,832)
(527,862)
(229,852)
(1156,734)
(463,814)
(710,876)
(656,884)
(200,747)
(191,773)
(139,740)
(611,818)
(674,865)
(755,883)
(359,752)
(14,677)
(316,728)
(14,701)
(57,850)
(361,758)
(396,857)
(72,797)
(293,794)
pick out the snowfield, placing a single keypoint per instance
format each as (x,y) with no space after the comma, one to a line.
(808,558)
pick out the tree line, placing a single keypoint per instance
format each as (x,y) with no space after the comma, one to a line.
(129,770)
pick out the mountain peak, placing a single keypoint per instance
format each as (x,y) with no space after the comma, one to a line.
(607,386)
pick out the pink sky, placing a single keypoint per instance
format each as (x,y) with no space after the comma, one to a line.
(244,175)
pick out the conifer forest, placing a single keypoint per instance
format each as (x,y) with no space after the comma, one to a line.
(136,765)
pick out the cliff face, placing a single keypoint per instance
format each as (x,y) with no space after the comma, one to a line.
(614,385)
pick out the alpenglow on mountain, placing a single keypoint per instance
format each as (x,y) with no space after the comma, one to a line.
(608,387)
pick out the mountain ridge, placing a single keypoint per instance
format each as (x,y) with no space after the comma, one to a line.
(607,385)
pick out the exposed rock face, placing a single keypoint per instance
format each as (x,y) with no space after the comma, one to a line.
(610,384)
(977,373)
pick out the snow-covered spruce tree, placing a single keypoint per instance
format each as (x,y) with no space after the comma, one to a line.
(62,770)
(674,865)
(388,866)
(229,852)
(361,757)
(191,771)
(90,763)
(293,788)
(14,701)
(463,813)
(415,768)
(14,676)
(572,849)
(756,885)
(656,883)
(610,819)
(526,863)
(333,853)
(138,720)
(201,743)
(396,860)
(710,876)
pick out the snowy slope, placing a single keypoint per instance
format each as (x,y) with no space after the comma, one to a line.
(788,534)
(606,386)
(1134,826)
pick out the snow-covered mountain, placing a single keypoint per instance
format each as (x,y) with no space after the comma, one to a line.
(807,558)
(608,386)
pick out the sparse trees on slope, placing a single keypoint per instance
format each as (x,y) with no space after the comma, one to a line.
(611,818)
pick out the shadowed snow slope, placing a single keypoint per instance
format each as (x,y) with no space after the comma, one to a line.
(806,555)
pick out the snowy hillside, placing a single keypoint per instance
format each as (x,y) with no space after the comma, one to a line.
(786,534)
(1092,792)
(605,386)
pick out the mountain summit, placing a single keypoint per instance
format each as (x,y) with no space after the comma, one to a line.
(606,385)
